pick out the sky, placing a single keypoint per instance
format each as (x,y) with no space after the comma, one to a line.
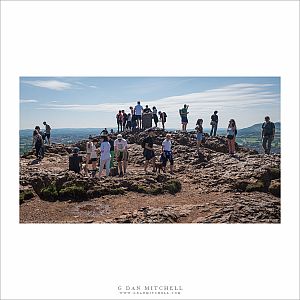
(93,102)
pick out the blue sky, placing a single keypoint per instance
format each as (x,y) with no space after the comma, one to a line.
(92,102)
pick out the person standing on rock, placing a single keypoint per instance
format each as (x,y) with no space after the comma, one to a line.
(104,156)
(89,146)
(167,153)
(154,115)
(148,153)
(129,120)
(42,150)
(38,144)
(47,132)
(231,134)
(163,118)
(267,134)
(125,118)
(94,156)
(121,151)
(200,135)
(138,111)
(184,119)
(112,150)
(119,118)
(214,123)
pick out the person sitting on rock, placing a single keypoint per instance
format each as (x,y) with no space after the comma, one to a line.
(38,144)
(121,151)
(167,153)
(184,119)
(200,135)
(104,156)
(75,161)
(149,153)
(231,134)
(267,134)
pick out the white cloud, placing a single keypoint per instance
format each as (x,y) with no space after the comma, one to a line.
(50,84)
(28,101)
(233,101)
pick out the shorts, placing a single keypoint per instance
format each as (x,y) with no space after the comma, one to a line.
(138,117)
(149,154)
(122,156)
(47,135)
(167,156)
(92,159)
(199,137)
(184,120)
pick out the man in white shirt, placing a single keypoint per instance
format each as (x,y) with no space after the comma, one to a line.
(138,110)
(121,154)
(167,153)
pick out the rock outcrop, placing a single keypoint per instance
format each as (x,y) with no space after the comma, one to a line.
(211,170)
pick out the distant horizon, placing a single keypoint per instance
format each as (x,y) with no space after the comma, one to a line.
(219,128)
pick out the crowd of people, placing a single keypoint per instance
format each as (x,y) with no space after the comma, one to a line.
(136,118)
(104,155)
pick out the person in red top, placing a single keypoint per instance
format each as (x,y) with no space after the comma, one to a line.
(119,117)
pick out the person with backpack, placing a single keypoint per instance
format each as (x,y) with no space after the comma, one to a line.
(214,123)
(167,153)
(104,156)
(121,150)
(267,134)
(38,144)
(149,154)
(119,118)
(47,132)
(199,133)
(162,118)
(183,114)
(112,150)
(231,134)
(42,150)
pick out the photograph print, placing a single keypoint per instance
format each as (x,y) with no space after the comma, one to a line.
(149,150)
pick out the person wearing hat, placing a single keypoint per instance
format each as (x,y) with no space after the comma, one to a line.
(75,161)
(121,154)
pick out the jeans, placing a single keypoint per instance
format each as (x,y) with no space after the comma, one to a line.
(214,129)
(267,140)
(105,162)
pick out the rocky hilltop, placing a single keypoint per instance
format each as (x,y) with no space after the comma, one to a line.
(207,187)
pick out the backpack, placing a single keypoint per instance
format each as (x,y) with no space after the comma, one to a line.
(48,128)
(143,143)
(165,115)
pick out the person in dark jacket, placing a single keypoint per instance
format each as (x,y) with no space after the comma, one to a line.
(267,134)
(214,123)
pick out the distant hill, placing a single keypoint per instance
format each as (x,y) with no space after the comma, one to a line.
(256,129)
